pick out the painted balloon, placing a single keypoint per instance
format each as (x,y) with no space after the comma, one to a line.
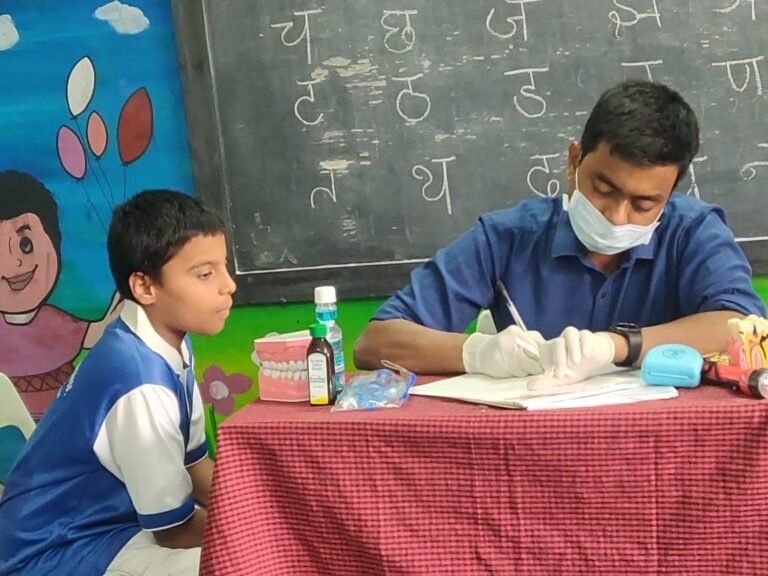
(80,85)
(71,152)
(96,132)
(134,127)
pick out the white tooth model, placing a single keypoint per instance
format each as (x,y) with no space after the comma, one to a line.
(282,361)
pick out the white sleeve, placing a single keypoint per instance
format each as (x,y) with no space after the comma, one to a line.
(197,448)
(141,443)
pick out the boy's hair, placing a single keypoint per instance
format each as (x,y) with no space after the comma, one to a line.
(149,229)
(645,124)
(21,193)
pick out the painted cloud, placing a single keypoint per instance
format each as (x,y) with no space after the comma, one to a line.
(8,33)
(123,18)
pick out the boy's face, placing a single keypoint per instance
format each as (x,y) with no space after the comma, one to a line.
(29,264)
(195,291)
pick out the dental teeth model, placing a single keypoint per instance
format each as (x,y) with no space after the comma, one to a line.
(748,342)
(282,361)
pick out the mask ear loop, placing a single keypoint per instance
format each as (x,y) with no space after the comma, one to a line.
(566,197)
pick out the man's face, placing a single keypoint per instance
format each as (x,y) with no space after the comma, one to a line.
(29,264)
(195,290)
(622,192)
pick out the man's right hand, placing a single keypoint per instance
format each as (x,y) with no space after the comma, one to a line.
(500,355)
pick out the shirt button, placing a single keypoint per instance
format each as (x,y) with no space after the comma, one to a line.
(602,296)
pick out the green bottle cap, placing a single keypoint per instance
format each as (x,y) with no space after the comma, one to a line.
(318,330)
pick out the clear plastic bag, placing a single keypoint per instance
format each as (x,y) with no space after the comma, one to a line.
(385,388)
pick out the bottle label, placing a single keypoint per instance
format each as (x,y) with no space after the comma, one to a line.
(338,362)
(325,316)
(317,372)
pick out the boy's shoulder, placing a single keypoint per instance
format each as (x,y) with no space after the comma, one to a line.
(124,361)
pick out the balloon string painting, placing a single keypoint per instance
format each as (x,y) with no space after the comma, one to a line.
(134,134)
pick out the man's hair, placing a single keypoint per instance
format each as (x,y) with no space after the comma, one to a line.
(21,193)
(149,229)
(645,124)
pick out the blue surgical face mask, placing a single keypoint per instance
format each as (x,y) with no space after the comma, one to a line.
(598,233)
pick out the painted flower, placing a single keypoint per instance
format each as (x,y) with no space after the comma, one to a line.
(218,388)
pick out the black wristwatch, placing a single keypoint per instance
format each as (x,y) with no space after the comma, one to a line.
(634,338)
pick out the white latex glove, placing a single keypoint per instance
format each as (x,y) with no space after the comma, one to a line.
(485,323)
(501,355)
(572,357)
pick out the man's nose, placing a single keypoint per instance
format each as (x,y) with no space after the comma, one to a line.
(617,213)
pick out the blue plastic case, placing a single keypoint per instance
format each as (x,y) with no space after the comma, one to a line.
(672,365)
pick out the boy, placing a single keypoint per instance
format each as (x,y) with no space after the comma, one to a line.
(115,478)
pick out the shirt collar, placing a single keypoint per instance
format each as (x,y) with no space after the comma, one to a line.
(566,243)
(137,320)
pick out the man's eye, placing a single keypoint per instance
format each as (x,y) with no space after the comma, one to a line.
(26,245)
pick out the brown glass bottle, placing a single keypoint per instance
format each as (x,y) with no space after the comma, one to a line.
(320,367)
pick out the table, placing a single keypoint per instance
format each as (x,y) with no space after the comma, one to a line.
(440,487)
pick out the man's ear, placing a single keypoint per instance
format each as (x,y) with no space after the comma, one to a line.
(142,288)
(574,155)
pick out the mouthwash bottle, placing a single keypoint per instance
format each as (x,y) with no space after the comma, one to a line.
(325,313)
(322,385)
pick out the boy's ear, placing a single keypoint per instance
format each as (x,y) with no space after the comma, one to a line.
(142,288)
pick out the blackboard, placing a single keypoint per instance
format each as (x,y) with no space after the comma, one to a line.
(345,141)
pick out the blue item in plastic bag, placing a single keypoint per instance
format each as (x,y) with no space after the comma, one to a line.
(385,388)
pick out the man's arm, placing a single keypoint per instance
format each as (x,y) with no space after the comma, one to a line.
(706,332)
(715,285)
(201,473)
(513,352)
(419,349)
(421,327)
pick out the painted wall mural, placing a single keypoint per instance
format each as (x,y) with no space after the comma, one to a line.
(92,113)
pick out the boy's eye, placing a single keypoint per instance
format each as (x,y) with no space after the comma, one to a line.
(205,275)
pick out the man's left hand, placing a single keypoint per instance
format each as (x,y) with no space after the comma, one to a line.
(572,357)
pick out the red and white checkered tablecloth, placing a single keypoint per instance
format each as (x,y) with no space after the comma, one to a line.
(440,487)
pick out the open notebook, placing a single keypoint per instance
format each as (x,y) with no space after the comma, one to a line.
(618,386)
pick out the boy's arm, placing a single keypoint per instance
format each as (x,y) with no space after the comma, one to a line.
(186,535)
(140,442)
(201,473)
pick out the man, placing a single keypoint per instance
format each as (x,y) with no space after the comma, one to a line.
(617,267)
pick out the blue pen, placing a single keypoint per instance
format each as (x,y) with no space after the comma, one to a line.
(502,291)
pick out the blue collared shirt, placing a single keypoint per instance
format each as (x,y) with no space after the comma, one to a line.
(692,264)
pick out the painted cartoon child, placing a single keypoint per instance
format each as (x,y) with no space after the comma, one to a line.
(38,342)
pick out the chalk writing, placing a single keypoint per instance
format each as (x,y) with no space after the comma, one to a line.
(286,26)
(421,172)
(410,90)
(407,33)
(527,90)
